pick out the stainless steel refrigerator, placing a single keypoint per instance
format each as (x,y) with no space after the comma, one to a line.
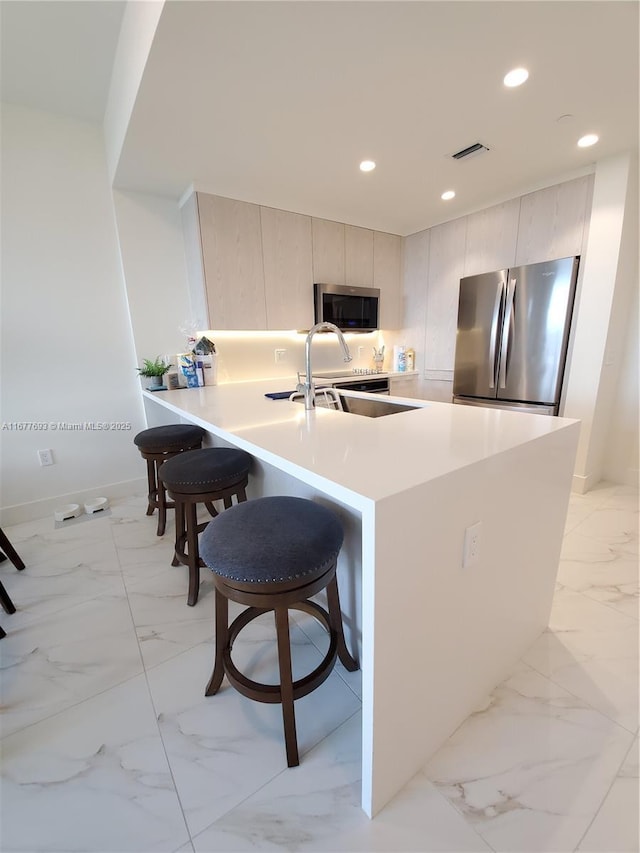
(513,332)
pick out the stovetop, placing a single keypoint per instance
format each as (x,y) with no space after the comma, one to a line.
(347,374)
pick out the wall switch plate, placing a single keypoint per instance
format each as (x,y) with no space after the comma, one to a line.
(280,354)
(45,457)
(471,549)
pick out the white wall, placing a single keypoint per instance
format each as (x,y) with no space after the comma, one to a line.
(153,259)
(67,348)
(610,276)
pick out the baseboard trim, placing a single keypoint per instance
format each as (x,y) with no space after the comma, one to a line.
(582,484)
(18,513)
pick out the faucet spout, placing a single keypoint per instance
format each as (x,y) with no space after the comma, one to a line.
(309,387)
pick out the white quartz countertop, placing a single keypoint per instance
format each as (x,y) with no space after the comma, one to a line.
(355,458)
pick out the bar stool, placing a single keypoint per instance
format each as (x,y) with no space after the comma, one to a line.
(156,445)
(274,553)
(8,551)
(201,477)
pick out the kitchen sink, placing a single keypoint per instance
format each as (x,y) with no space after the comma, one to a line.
(378,407)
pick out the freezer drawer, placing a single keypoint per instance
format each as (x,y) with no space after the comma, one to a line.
(533,409)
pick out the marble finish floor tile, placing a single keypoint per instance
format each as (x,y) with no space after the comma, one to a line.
(592,651)
(165,624)
(615,827)
(224,747)
(62,580)
(316,806)
(600,571)
(530,770)
(63,658)
(92,778)
(87,735)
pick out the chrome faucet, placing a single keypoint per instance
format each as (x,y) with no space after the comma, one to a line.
(308,388)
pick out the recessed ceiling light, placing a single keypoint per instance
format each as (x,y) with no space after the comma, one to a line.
(515,77)
(448,195)
(367,166)
(589,139)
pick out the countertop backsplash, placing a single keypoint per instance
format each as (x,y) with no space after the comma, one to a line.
(245,356)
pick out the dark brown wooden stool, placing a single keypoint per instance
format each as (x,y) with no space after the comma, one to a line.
(10,552)
(273,554)
(7,548)
(156,445)
(201,477)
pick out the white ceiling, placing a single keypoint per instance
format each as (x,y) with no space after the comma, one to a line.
(57,56)
(277,102)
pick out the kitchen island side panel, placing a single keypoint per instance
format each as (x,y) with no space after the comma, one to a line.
(444,635)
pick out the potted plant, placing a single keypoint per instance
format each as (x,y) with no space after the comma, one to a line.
(154,371)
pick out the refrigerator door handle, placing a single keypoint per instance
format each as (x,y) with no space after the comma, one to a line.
(494,335)
(506,332)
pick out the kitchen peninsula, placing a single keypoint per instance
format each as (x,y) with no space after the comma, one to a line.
(433,636)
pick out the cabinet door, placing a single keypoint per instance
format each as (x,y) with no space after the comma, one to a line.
(492,235)
(415,276)
(232,258)
(446,266)
(358,251)
(387,275)
(328,251)
(288,269)
(552,222)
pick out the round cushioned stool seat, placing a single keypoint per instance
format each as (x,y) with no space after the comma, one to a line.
(202,477)
(206,470)
(274,554)
(282,541)
(156,445)
(167,438)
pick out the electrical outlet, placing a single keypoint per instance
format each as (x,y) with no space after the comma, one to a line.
(471,549)
(280,354)
(45,457)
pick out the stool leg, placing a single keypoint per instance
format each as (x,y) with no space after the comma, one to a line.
(180,532)
(152,485)
(335,620)
(193,553)
(222,641)
(10,551)
(6,602)
(286,685)
(162,503)
(2,632)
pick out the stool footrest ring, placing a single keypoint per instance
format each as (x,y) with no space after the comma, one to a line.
(271,693)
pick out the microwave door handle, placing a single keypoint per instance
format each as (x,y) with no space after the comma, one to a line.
(506,332)
(493,337)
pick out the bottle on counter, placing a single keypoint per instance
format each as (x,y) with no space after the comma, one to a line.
(411,359)
(400,359)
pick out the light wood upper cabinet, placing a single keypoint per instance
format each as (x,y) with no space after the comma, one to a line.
(552,222)
(387,275)
(328,251)
(231,241)
(358,251)
(288,269)
(492,235)
(446,268)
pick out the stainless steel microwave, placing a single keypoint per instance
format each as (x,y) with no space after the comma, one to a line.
(351,309)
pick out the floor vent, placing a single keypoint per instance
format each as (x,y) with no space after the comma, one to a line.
(472,149)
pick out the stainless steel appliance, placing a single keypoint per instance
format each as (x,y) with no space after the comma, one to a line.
(513,331)
(355,381)
(351,309)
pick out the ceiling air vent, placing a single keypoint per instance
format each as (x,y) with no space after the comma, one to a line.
(467,152)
